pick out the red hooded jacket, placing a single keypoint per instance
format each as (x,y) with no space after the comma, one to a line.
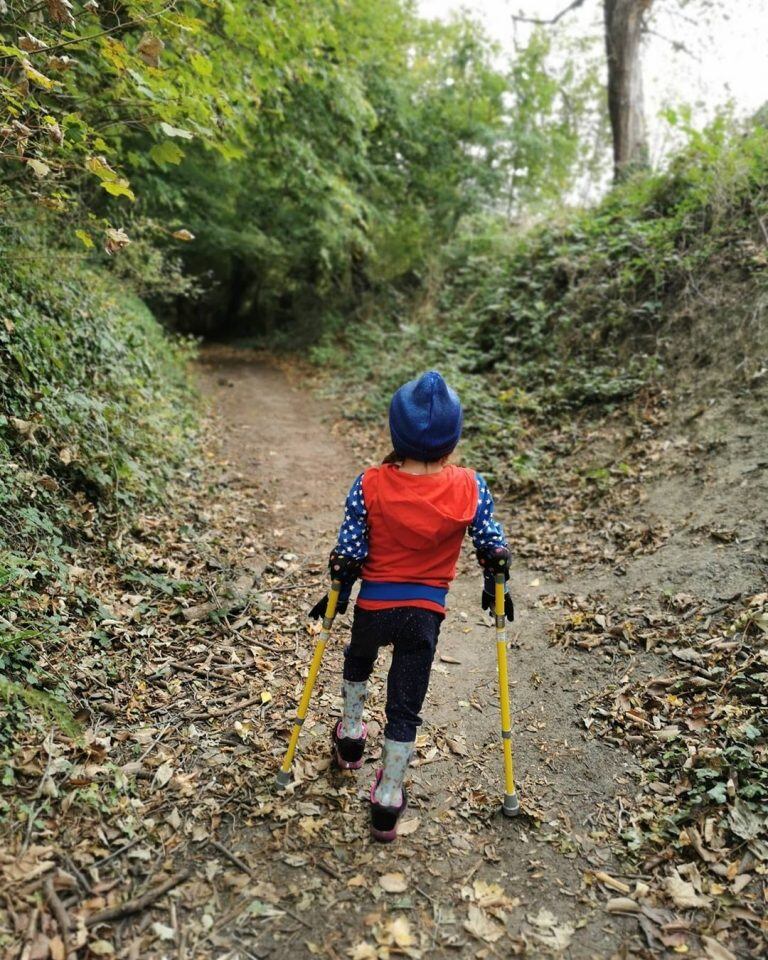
(416,525)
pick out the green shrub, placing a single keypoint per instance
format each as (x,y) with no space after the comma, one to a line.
(94,400)
(96,413)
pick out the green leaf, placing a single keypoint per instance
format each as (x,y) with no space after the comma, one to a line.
(201,65)
(717,793)
(166,152)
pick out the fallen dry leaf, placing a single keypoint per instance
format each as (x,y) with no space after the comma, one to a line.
(408,826)
(393,882)
(683,894)
(715,950)
(622,905)
(480,925)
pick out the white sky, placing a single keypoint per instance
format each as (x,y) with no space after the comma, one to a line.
(731,49)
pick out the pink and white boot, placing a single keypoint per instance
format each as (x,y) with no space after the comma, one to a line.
(350,733)
(348,751)
(388,795)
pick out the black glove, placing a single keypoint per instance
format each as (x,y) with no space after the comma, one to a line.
(495,560)
(346,569)
(318,611)
(489,600)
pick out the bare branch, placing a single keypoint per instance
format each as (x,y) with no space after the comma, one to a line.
(677,45)
(518,18)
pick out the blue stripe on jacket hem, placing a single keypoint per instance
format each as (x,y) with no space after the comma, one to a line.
(376,590)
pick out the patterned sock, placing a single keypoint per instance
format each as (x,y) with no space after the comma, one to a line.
(354,700)
(396,757)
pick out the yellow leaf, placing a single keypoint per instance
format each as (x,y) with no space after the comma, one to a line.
(311,825)
(114,51)
(56,946)
(118,188)
(101,168)
(363,951)
(102,948)
(489,894)
(85,238)
(482,926)
(38,78)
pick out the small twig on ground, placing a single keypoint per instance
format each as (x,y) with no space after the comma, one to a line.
(117,853)
(36,810)
(78,875)
(233,859)
(154,743)
(139,903)
(199,671)
(426,895)
(322,865)
(59,911)
(29,934)
(212,714)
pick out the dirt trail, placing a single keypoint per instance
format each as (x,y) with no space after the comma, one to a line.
(637,667)
(283,440)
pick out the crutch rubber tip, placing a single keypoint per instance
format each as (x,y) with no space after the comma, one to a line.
(282,779)
(511,805)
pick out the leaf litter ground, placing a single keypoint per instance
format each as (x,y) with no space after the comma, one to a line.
(639,719)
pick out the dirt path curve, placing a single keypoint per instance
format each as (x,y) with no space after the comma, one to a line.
(285,441)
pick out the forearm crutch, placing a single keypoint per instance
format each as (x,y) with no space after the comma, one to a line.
(511,805)
(284,774)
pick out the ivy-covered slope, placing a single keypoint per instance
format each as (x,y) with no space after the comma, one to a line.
(577,314)
(95,413)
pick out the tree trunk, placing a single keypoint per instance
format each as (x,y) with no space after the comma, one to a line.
(623,33)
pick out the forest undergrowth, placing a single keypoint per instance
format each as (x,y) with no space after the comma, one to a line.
(97,417)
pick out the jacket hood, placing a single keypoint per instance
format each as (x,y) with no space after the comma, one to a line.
(422,510)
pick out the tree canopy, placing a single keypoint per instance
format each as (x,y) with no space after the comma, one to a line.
(303,152)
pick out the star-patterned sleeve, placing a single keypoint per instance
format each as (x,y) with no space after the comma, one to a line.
(353,534)
(485,530)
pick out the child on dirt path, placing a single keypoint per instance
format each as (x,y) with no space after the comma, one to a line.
(402,532)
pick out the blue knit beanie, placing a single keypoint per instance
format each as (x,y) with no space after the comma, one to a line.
(425,418)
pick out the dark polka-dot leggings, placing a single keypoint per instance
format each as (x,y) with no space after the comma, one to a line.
(413,633)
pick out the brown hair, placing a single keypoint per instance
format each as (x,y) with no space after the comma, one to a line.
(394,457)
